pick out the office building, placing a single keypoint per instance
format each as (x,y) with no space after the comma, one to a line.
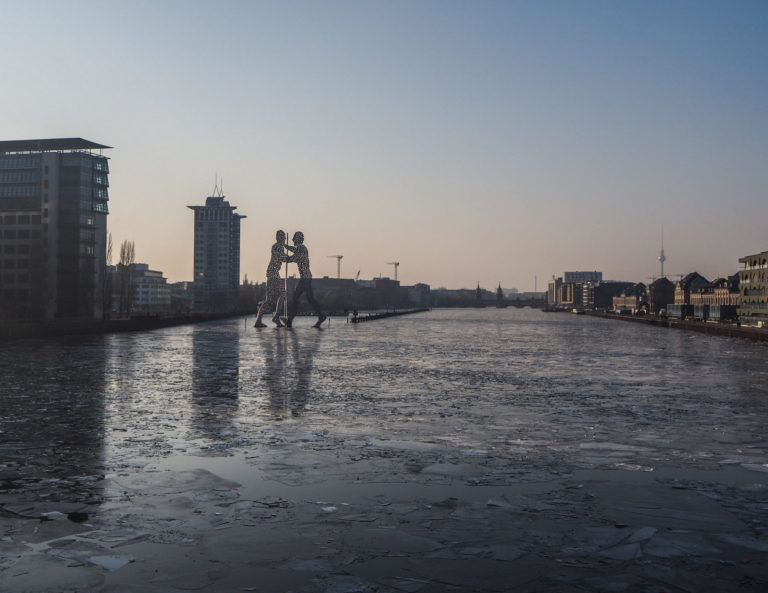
(582,277)
(217,256)
(53,228)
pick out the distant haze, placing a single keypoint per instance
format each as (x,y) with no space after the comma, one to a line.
(470,141)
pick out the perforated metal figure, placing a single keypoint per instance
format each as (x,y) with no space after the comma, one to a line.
(275,284)
(300,256)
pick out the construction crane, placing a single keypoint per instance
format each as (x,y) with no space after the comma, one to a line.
(338,264)
(394,263)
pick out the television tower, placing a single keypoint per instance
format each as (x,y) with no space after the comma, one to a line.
(662,257)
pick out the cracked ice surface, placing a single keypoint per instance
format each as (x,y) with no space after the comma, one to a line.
(482,450)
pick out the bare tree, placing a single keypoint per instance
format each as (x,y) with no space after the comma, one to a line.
(125,272)
(106,283)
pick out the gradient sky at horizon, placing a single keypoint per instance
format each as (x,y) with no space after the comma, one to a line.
(470,141)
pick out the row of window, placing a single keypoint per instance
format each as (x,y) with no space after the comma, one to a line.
(83,159)
(21,234)
(15,278)
(87,235)
(20,162)
(33,185)
(21,218)
(16,296)
(19,191)
(11,264)
(20,176)
(747,278)
(21,248)
(212,214)
(20,204)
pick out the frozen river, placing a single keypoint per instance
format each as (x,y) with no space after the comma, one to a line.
(450,450)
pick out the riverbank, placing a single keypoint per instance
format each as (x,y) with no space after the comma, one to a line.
(17,330)
(704,327)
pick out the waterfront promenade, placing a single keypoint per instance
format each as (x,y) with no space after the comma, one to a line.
(472,450)
(731,330)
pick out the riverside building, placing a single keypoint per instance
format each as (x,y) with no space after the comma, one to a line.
(217,256)
(53,228)
(582,277)
(753,285)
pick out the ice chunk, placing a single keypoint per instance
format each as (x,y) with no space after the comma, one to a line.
(111,562)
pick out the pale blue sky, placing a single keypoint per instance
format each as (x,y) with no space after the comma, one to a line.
(470,141)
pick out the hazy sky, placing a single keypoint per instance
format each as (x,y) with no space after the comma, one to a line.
(470,141)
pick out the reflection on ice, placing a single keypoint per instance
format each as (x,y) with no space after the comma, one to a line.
(52,419)
(215,372)
(288,364)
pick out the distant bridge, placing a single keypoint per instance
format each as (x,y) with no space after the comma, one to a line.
(520,303)
(490,303)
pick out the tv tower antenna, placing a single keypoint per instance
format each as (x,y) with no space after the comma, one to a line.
(338,264)
(662,257)
(218,186)
(394,263)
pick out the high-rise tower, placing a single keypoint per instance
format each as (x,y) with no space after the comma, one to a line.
(53,228)
(217,255)
(662,257)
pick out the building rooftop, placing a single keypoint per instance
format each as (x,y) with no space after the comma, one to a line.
(48,144)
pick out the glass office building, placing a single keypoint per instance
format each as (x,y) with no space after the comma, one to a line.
(53,226)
